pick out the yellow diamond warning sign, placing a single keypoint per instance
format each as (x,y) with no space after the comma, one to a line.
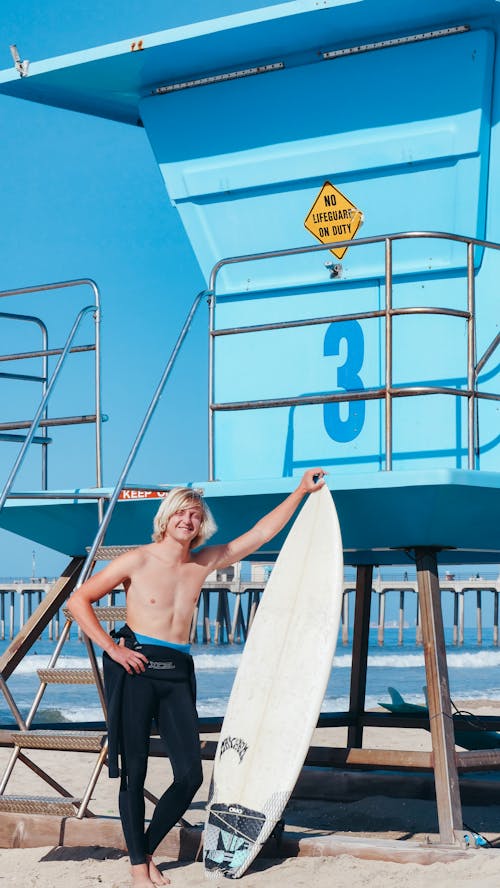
(333,217)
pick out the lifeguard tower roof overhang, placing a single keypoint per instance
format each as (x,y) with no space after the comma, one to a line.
(383,367)
(110,81)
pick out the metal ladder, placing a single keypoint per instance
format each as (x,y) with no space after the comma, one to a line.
(22,739)
(66,740)
(77,572)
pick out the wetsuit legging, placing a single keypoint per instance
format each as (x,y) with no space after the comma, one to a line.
(163,693)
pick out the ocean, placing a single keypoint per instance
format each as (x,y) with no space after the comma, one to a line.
(473,670)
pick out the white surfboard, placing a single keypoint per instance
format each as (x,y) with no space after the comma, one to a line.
(278,691)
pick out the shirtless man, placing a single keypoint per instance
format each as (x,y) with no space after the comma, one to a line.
(151,665)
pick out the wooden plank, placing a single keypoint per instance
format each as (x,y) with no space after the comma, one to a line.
(29,830)
(320,756)
(364,578)
(379,849)
(34,626)
(380,720)
(38,830)
(32,830)
(373,758)
(337,785)
(213,724)
(478,760)
(440,715)
(324,756)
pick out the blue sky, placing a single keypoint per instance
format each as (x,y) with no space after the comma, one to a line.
(83,197)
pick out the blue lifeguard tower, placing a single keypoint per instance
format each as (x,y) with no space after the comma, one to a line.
(334,167)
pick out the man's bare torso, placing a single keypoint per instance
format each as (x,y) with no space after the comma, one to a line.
(162,594)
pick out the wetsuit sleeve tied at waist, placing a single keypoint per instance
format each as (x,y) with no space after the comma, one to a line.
(115,677)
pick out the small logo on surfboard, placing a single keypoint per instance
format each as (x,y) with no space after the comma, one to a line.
(236,743)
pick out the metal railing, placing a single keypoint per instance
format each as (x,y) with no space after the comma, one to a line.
(120,484)
(388,391)
(41,419)
(5,428)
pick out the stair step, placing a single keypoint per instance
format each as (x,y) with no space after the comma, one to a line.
(61,805)
(105,614)
(106,553)
(67,676)
(109,614)
(69,741)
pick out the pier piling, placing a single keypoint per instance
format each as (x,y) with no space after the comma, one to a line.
(206,617)
(345,617)
(381,619)
(401,617)
(479,617)
(495,617)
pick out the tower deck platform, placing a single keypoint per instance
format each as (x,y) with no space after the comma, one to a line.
(452,511)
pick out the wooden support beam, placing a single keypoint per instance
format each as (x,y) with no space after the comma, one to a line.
(478,760)
(213,724)
(364,577)
(440,716)
(350,785)
(34,626)
(337,757)
(181,843)
(376,758)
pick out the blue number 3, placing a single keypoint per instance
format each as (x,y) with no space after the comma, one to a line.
(347,429)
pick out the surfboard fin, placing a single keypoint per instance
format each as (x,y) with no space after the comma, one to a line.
(396,698)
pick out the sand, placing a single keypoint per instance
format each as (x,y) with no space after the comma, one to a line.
(355,815)
(90,868)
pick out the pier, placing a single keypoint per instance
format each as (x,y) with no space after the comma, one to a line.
(228,604)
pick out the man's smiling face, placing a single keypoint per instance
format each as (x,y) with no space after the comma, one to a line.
(185,523)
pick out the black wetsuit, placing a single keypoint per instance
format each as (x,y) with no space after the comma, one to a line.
(165,692)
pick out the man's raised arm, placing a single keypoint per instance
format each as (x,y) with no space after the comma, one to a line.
(217,557)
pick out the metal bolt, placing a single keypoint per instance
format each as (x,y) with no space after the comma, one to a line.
(334,268)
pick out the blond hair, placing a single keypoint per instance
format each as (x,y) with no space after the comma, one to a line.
(181,498)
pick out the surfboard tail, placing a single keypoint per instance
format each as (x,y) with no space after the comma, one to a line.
(231,834)
(234,835)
